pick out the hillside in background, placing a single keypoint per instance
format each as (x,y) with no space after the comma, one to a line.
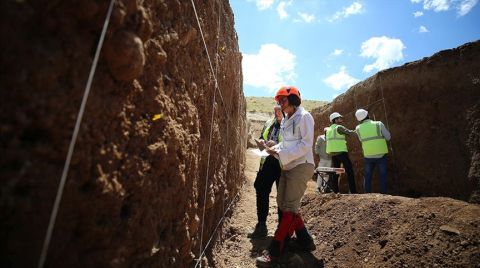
(265,104)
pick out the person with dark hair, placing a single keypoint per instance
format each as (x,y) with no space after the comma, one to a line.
(268,173)
(374,136)
(296,160)
(337,148)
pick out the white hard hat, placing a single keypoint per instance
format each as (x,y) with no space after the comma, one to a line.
(334,115)
(361,114)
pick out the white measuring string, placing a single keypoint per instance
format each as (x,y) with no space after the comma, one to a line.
(208,167)
(58,198)
(385,109)
(213,233)
(208,56)
(210,138)
(214,74)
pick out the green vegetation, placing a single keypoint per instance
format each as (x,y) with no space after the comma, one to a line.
(265,104)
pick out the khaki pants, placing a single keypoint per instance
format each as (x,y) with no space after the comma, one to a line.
(292,186)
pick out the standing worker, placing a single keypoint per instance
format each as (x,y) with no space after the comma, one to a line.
(268,173)
(296,159)
(374,136)
(325,161)
(337,148)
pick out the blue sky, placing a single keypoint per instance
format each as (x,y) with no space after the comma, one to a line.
(323,47)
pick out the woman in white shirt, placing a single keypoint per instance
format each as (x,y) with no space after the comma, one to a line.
(296,159)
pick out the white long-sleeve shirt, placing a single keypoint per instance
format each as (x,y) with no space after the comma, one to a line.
(297,143)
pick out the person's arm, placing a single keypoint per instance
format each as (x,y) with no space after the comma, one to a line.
(263,129)
(318,145)
(385,132)
(288,155)
(345,131)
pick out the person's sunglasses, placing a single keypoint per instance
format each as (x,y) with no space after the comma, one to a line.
(282,100)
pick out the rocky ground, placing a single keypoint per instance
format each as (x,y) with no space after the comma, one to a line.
(371,230)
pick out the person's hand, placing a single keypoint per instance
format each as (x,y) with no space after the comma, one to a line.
(271,151)
(270,143)
(260,144)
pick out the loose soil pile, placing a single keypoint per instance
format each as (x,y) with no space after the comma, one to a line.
(388,231)
(431,109)
(136,187)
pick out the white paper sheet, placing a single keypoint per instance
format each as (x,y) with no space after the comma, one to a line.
(260,153)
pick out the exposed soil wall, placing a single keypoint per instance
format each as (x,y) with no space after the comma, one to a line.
(430,107)
(135,190)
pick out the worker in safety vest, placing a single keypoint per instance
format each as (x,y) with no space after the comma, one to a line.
(296,160)
(268,173)
(337,148)
(374,136)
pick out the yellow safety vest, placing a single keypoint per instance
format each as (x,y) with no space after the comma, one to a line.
(335,141)
(370,134)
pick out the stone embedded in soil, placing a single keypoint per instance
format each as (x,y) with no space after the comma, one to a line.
(125,55)
(449,229)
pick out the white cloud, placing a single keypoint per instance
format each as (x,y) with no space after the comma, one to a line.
(354,8)
(422,29)
(337,52)
(272,67)
(385,50)
(341,80)
(436,5)
(308,18)
(417,14)
(264,4)
(281,9)
(465,6)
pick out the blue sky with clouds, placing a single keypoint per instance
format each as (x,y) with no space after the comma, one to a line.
(323,47)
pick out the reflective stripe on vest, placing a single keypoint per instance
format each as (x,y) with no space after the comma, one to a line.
(373,142)
(335,141)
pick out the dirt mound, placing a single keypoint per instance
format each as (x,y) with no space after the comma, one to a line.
(431,109)
(136,187)
(388,231)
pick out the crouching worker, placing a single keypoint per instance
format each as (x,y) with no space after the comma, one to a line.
(268,173)
(296,159)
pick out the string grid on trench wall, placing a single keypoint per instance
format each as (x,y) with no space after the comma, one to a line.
(214,73)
